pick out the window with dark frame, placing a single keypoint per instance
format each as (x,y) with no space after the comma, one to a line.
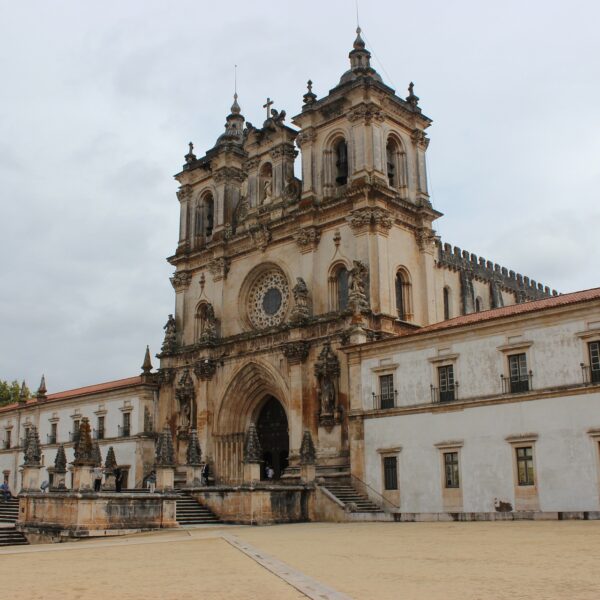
(75,434)
(386,391)
(451,469)
(525,474)
(341,163)
(100,430)
(518,375)
(126,431)
(446,303)
(390,472)
(8,436)
(342,288)
(53,433)
(594,350)
(446,383)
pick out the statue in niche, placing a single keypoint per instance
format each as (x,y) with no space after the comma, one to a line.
(301,310)
(208,324)
(267,191)
(186,396)
(327,371)
(357,285)
(170,341)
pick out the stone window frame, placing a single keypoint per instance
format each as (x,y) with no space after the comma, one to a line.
(590,334)
(383,369)
(452,497)
(523,346)
(390,452)
(8,429)
(526,496)
(594,435)
(444,360)
(400,158)
(404,313)
(333,285)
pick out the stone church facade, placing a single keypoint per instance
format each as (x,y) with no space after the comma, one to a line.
(274,275)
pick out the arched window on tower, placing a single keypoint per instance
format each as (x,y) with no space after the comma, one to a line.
(403,295)
(341,163)
(209,211)
(338,288)
(446,303)
(391,152)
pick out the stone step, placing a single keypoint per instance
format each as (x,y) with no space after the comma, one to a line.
(190,512)
(346,494)
(12,537)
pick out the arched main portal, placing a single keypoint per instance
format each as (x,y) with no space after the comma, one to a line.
(273,434)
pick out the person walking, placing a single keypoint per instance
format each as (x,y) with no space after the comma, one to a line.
(98,472)
(205,474)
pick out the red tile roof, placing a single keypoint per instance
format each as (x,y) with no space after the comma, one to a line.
(82,391)
(513,310)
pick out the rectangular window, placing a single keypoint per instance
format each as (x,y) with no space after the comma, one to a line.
(390,472)
(451,469)
(75,434)
(100,429)
(386,391)
(446,383)
(594,350)
(53,433)
(519,378)
(126,431)
(8,436)
(525,465)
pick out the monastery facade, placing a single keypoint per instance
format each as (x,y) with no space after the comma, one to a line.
(322,320)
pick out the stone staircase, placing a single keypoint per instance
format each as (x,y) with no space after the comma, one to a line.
(9,536)
(191,512)
(344,491)
(9,511)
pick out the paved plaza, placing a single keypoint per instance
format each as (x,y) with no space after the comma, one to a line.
(408,561)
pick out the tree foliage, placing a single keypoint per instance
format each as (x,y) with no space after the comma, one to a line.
(9,392)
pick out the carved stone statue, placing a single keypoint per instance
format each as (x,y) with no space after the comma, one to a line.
(327,371)
(267,191)
(32,453)
(357,284)
(292,189)
(301,310)
(170,341)
(186,395)
(209,325)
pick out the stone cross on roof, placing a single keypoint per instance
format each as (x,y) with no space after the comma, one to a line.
(268,105)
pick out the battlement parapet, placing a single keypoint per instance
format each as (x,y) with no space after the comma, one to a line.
(456,259)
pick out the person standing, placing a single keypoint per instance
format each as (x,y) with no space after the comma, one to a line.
(5,489)
(151,482)
(270,472)
(205,473)
(118,479)
(98,478)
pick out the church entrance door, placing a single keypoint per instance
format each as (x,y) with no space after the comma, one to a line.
(272,429)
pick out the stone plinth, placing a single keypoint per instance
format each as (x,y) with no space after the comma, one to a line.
(59,481)
(30,478)
(251,472)
(308,473)
(260,504)
(85,514)
(83,478)
(193,476)
(165,479)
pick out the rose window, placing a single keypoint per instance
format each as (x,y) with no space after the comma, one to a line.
(268,299)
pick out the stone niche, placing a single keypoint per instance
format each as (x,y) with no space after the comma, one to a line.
(63,515)
(261,504)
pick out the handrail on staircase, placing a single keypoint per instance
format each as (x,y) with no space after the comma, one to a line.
(367,491)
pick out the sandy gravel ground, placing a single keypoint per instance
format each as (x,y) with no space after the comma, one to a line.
(404,561)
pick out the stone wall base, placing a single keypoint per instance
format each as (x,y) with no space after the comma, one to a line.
(260,504)
(59,515)
(497,516)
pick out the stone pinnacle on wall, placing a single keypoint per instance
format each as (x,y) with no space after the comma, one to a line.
(96,455)
(110,464)
(252,449)
(32,453)
(60,461)
(147,365)
(41,393)
(83,446)
(194,453)
(308,454)
(165,453)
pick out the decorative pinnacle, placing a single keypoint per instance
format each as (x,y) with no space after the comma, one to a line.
(359,43)
(235,107)
(23,392)
(190,156)
(41,393)
(412,99)
(147,366)
(309,97)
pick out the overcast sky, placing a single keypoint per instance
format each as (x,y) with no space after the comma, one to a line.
(98,101)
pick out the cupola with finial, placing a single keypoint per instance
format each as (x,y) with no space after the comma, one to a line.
(360,62)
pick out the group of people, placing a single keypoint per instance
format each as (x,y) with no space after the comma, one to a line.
(99,473)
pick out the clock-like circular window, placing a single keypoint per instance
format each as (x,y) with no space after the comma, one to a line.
(268,299)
